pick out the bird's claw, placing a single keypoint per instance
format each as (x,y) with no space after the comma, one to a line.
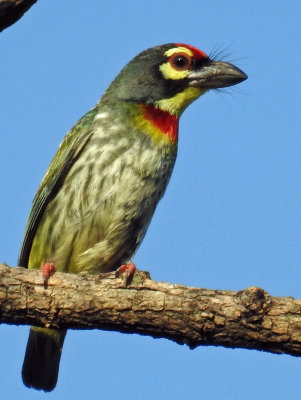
(48,269)
(127,269)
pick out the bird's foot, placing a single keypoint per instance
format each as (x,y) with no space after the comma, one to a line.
(48,269)
(129,271)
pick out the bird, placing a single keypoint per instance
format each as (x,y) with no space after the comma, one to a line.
(96,200)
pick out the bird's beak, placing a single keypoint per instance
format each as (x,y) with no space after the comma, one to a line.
(216,75)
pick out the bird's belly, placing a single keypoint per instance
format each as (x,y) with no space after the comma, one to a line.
(99,217)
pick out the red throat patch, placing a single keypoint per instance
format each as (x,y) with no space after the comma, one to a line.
(167,123)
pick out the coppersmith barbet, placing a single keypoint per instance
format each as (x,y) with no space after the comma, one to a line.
(101,189)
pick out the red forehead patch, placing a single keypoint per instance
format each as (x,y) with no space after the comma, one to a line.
(197,54)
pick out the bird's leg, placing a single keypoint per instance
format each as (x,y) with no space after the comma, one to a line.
(48,269)
(127,269)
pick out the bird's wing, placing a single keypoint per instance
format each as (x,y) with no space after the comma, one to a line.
(68,152)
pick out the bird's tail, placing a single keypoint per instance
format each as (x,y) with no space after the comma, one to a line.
(42,358)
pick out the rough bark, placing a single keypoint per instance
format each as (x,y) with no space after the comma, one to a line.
(249,318)
(12,10)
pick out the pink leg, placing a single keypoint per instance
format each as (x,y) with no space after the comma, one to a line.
(127,269)
(48,269)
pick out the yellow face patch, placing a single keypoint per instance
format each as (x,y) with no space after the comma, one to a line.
(176,105)
(170,72)
(179,49)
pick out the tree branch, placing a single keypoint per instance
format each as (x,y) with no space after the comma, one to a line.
(12,10)
(249,319)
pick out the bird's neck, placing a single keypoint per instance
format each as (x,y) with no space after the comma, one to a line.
(161,126)
(158,124)
(162,121)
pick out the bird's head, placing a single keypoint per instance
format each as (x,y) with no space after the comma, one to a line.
(171,76)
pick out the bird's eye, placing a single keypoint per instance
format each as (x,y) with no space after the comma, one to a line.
(180,61)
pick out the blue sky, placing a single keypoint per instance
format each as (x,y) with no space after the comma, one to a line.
(230,218)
